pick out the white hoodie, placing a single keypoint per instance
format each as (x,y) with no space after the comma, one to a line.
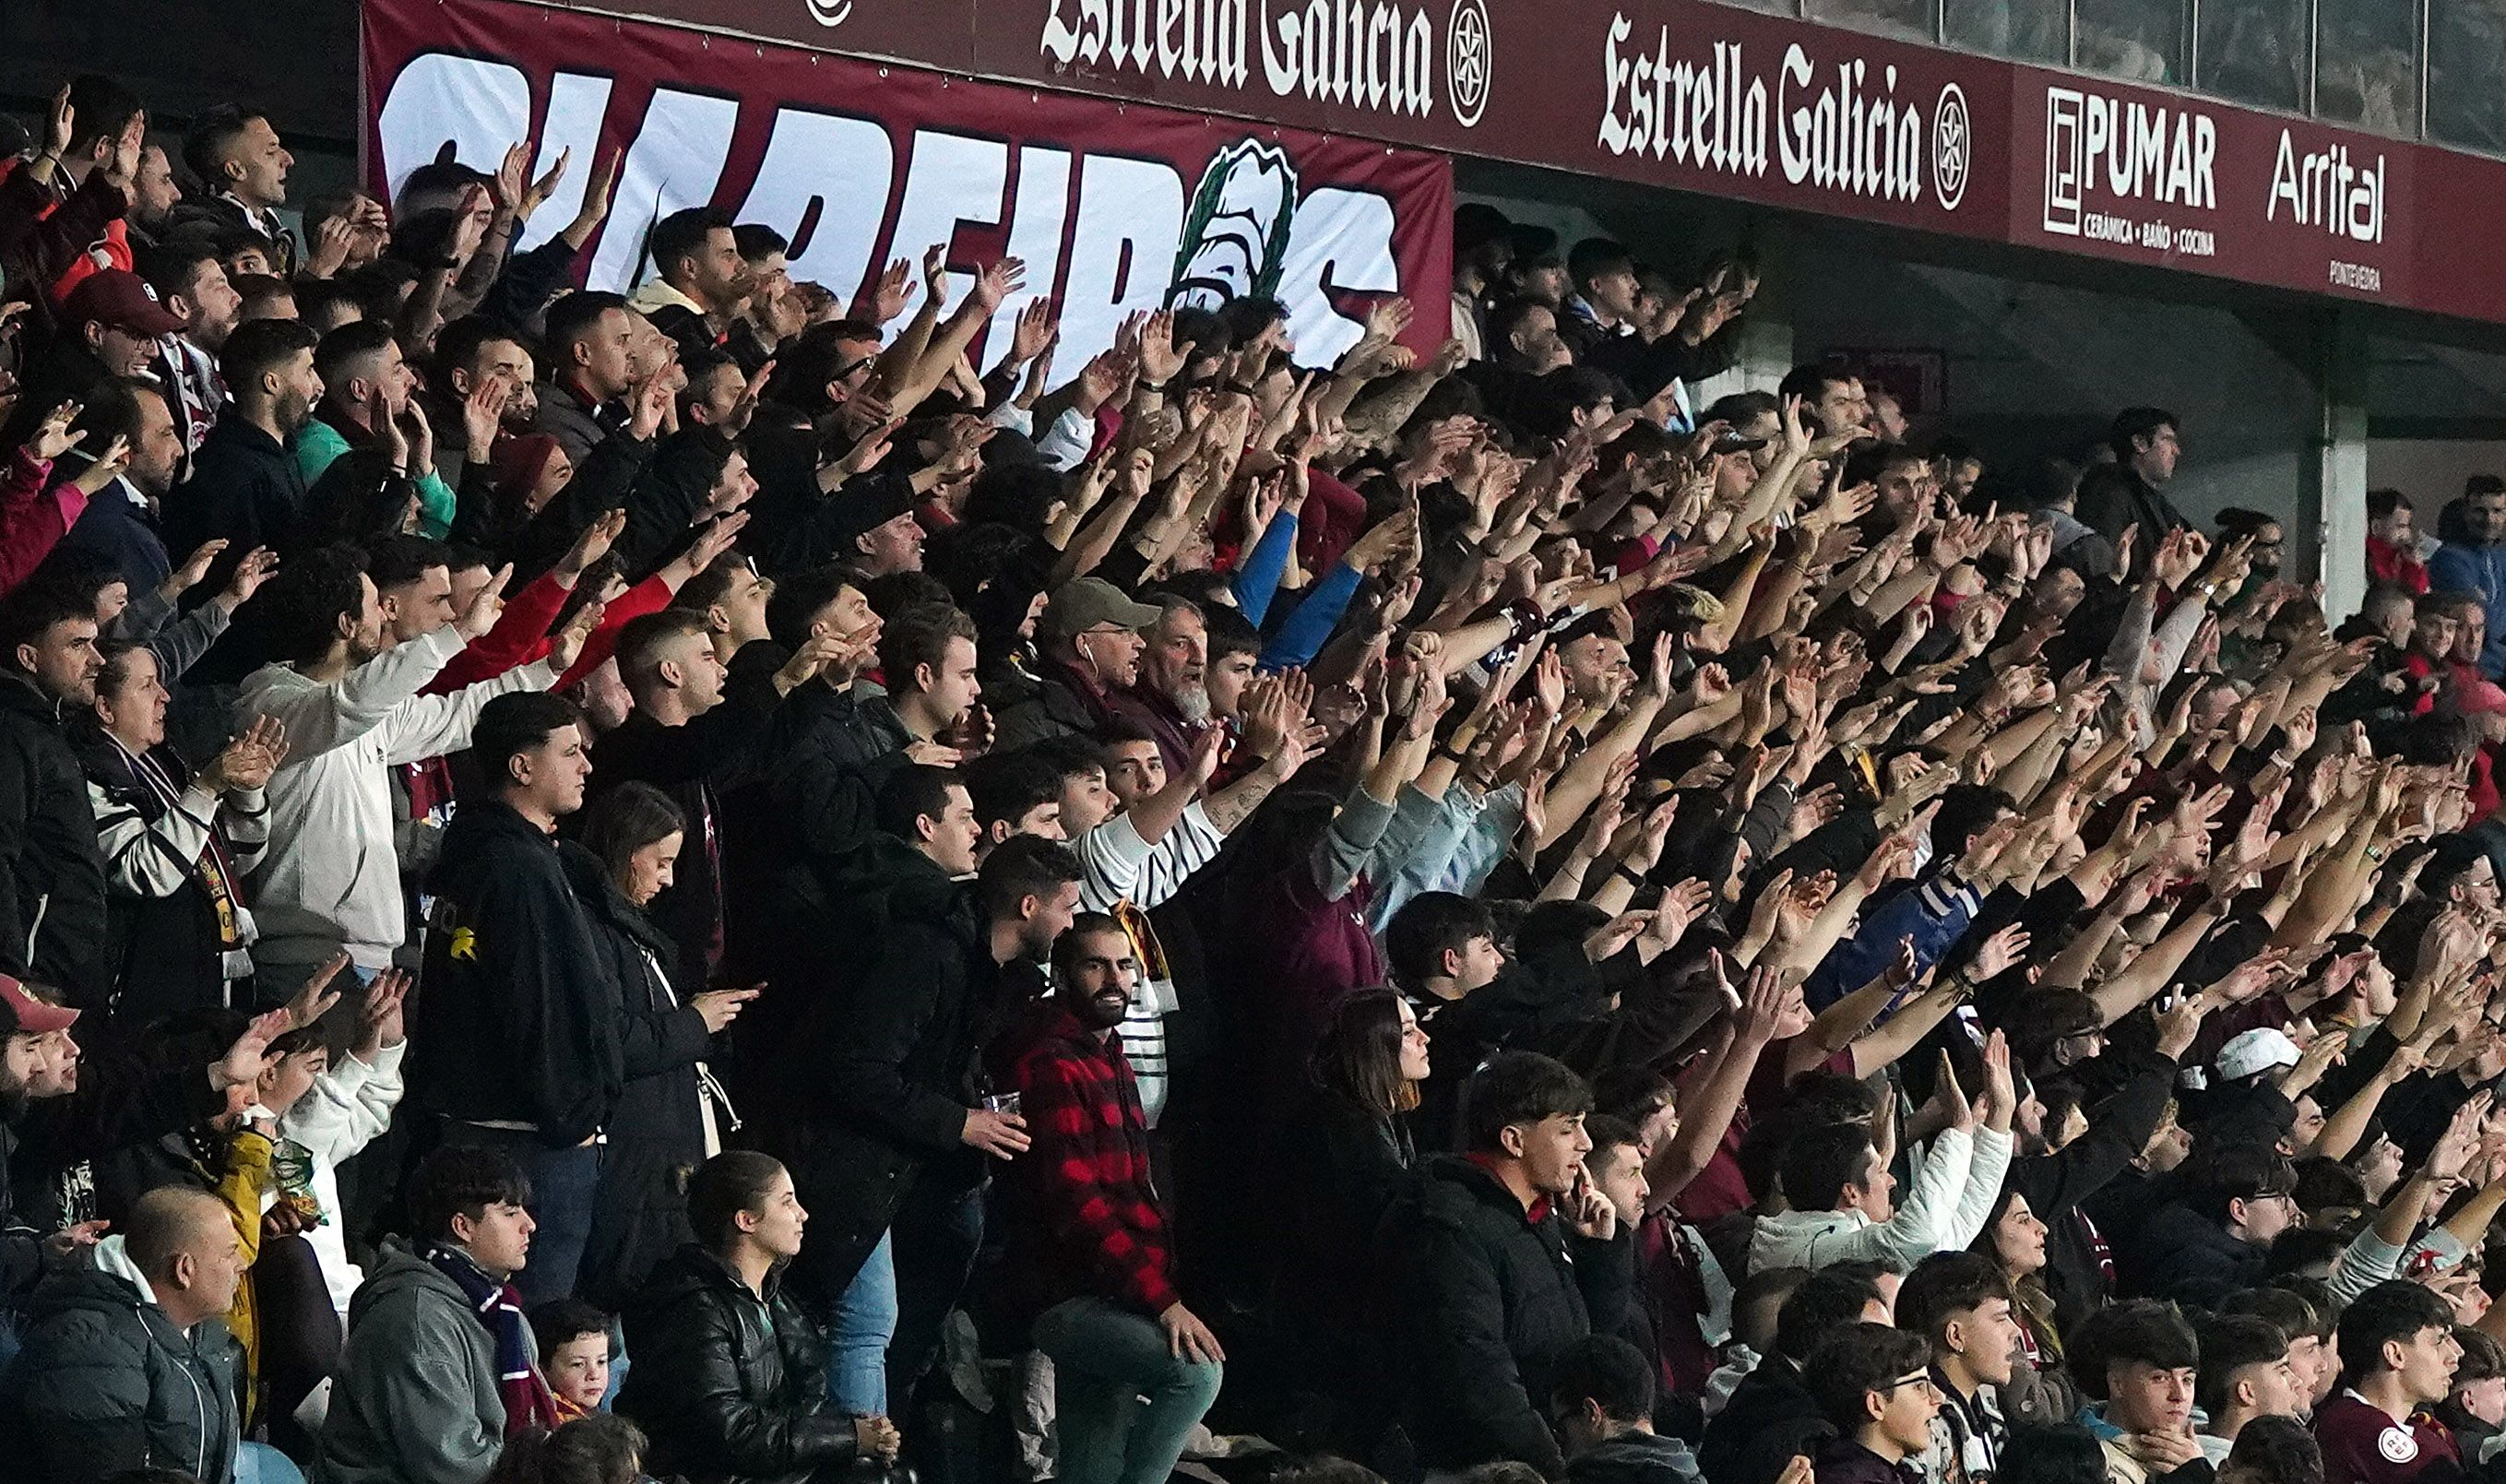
(347,1108)
(1945,1210)
(330,878)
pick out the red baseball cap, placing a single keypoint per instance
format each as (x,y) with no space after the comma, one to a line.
(22,1015)
(123,300)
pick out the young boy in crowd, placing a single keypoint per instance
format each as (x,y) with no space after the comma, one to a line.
(573,1338)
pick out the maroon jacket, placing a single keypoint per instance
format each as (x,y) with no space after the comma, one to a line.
(2363,1445)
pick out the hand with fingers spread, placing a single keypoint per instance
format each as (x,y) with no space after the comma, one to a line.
(2000,953)
(250,572)
(589,546)
(1681,906)
(996,283)
(242,1066)
(317,995)
(52,435)
(111,463)
(716,539)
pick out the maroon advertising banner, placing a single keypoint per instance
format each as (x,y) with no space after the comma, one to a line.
(1114,207)
(2142,176)
(1710,97)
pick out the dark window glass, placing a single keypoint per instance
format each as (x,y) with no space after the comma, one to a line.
(2367,64)
(2140,39)
(2029,30)
(2255,52)
(2466,82)
(1895,17)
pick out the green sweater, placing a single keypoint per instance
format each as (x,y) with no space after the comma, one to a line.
(319,443)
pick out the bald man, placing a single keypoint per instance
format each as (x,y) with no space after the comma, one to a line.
(127,1364)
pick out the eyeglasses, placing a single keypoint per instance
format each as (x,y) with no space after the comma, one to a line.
(1922,1379)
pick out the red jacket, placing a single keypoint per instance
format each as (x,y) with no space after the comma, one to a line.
(33,519)
(2389,563)
(1088,1220)
(521,634)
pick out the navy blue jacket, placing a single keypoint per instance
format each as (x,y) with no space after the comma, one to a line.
(122,531)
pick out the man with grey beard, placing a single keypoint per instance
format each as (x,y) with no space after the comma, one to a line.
(1172,696)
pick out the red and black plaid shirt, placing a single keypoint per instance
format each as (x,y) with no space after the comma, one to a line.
(1095,1225)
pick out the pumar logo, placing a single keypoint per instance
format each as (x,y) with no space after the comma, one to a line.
(1953,146)
(830,12)
(1470,54)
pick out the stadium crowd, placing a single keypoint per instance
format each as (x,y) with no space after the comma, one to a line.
(700,884)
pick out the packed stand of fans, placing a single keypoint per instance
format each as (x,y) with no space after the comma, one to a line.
(698,883)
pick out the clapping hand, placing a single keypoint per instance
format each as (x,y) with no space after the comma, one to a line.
(246,762)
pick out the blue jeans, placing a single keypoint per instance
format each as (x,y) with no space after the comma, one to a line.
(564,1185)
(1104,1360)
(864,1322)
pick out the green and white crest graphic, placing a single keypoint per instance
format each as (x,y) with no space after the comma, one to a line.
(1235,233)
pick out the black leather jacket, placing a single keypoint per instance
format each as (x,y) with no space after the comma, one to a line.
(730,1390)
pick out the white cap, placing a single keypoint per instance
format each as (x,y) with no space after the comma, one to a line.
(2257,1050)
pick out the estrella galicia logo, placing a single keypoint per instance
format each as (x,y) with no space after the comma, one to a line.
(1470,55)
(1953,146)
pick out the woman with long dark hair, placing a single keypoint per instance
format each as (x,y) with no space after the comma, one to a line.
(671,1113)
(729,1380)
(1337,1162)
(2040,1389)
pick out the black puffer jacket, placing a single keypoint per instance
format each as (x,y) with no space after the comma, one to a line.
(52,883)
(655,1128)
(728,1389)
(107,1383)
(1484,1301)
